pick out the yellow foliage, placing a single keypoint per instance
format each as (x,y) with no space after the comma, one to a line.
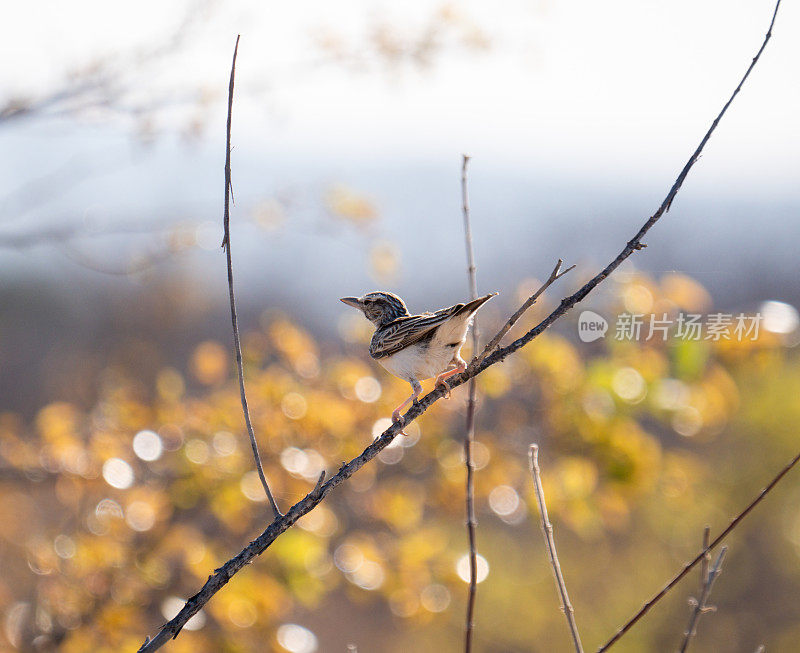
(641,443)
(57,424)
(210,363)
(685,292)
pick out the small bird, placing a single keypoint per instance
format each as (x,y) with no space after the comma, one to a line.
(416,347)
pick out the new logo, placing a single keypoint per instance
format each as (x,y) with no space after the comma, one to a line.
(591,326)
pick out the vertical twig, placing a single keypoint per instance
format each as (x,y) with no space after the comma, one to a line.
(547,531)
(701,606)
(226,244)
(469,436)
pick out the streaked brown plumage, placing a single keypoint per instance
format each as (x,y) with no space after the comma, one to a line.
(416,347)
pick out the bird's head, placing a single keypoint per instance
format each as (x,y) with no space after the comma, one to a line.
(379,307)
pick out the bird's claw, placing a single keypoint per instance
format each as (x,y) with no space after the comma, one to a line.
(397,419)
(443,384)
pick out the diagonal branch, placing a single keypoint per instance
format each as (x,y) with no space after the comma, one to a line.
(550,543)
(469,436)
(226,243)
(281,523)
(706,561)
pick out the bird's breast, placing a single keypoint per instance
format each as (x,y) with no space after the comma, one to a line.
(421,360)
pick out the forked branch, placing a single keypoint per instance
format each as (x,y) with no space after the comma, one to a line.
(701,605)
(556,274)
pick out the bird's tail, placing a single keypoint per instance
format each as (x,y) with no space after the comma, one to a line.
(470,307)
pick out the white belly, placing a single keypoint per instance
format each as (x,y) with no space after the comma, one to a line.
(422,361)
(418,362)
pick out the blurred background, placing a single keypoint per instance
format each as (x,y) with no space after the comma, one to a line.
(124,464)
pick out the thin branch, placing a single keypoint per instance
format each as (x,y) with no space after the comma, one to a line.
(557,273)
(471,269)
(700,556)
(706,561)
(550,543)
(226,244)
(281,523)
(701,606)
(469,435)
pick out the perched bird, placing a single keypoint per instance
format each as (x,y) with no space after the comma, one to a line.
(416,347)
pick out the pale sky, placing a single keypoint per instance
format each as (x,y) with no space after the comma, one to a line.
(578,117)
(602,89)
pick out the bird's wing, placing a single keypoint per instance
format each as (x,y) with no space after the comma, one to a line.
(406,331)
(410,329)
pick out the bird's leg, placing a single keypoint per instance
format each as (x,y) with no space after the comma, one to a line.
(417,390)
(440,380)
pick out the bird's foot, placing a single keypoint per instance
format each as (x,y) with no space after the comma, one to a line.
(441,383)
(398,419)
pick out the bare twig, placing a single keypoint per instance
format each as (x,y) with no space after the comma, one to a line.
(226,244)
(700,556)
(281,523)
(701,604)
(550,543)
(557,273)
(471,269)
(469,435)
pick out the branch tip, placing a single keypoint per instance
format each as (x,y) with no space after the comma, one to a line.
(700,606)
(563,272)
(556,274)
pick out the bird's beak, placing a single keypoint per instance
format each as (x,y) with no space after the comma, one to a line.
(351,301)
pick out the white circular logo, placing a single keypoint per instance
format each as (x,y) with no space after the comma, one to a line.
(591,326)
